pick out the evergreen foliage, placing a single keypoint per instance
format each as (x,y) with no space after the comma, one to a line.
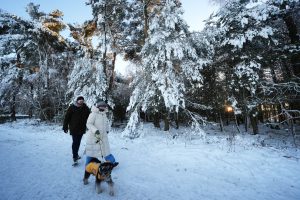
(247,57)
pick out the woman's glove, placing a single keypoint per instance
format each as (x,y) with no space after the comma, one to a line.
(97,135)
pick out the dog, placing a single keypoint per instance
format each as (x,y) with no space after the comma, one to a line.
(102,172)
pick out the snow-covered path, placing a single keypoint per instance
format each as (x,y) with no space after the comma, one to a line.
(36,164)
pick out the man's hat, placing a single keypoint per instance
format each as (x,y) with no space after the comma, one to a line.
(79,98)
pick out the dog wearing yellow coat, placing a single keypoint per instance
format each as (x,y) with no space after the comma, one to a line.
(102,172)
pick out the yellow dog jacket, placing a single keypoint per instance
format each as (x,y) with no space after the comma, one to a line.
(93,168)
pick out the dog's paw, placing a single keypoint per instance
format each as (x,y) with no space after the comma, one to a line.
(111,193)
(99,190)
(85,181)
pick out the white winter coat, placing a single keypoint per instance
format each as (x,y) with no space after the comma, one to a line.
(97,121)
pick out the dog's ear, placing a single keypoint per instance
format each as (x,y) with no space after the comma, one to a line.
(106,166)
(109,165)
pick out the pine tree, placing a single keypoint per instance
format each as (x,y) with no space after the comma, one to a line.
(136,27)
(38,64)
(168,62)
(250,34)
(87,77)
(108,16)
(13,41)
(51,49)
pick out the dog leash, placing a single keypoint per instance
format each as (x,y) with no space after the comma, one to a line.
(98,142)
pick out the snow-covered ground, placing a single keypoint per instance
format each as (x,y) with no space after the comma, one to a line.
(36,164)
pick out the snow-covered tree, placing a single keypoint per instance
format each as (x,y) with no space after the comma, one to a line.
(87,79)
(240,38)
(209,98)
(251,34)
(51,49)
(83,36)
(13,41)
(121,95)
(38,62)
(108,16)
(136,27)
(169,63)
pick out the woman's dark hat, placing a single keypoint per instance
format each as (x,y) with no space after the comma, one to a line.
(101,103)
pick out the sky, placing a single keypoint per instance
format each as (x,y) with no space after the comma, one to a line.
(75,11)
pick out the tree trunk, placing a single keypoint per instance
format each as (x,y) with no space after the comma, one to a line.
(287,71)
(236,123)
(104,55)
(177,121)
(274,113)
(246,113)
(146,21)
(221,123)
(166,121)
(156,120)
(30,111)
(246,122)
(13,109)
(260,114)
(294,37)
(112,72)
(254,121)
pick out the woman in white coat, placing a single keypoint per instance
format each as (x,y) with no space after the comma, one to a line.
(97,145)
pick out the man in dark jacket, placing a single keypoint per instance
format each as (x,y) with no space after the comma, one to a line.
(75,121)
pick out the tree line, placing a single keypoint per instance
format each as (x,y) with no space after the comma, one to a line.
(242,67)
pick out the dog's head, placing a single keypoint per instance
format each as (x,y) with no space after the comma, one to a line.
(105,169)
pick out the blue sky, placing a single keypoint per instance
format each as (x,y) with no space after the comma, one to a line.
(76,11)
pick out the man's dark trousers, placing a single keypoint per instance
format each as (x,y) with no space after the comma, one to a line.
(75,145)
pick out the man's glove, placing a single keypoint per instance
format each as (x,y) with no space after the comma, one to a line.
(65,130)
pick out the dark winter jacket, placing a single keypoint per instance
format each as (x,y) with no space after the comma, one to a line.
(75,119)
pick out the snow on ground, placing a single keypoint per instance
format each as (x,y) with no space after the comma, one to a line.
(36,164)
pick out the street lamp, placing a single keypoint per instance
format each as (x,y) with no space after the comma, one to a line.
(229,109)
